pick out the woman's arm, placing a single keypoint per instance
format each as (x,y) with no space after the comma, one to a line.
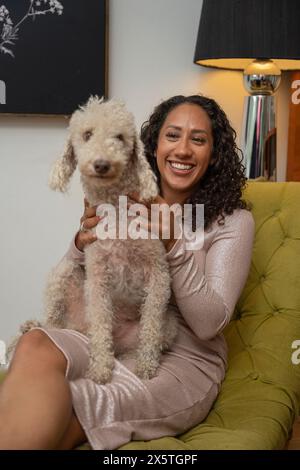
(207,288)
(74,254)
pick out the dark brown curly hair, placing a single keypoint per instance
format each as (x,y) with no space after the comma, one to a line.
(220,188)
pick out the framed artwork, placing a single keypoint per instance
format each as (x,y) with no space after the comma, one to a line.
(53,54)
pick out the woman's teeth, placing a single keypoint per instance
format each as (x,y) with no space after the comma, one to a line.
(181,166)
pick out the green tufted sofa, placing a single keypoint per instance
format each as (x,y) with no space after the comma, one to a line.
(260,395)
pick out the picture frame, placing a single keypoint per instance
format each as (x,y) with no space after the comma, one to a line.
(53,55)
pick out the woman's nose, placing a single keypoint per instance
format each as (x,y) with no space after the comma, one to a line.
(183,147)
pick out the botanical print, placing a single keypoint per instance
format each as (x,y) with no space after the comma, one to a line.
(52,55)
(9,31)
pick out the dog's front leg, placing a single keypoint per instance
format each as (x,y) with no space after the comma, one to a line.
(64,277)
(153,311)
(99,317)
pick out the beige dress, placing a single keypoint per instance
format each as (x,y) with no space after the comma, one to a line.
(206,284)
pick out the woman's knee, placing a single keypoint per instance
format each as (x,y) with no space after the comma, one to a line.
(36,347)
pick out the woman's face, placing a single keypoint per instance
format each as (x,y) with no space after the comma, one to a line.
(184,149)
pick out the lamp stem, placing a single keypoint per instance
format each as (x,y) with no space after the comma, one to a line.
(259,138)
(261,80)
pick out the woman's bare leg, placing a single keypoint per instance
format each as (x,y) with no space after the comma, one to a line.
(35,399)
(74,435)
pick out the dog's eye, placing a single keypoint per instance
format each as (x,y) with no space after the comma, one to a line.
(120,137)
(87,135)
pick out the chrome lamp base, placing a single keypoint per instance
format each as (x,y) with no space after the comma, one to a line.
(261,79)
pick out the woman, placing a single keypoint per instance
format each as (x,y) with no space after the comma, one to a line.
(191,148)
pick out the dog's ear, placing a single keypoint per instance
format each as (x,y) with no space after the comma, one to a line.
(147,181)
(63,169)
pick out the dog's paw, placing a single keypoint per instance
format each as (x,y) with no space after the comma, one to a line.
(28,325)
(11,347)
(146,371)
(100,375)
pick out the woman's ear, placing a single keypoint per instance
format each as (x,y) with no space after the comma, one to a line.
(63,169)
(147,181)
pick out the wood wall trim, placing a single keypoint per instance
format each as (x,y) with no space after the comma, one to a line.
(293,156)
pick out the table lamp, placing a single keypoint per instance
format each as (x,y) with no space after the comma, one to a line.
(262,38)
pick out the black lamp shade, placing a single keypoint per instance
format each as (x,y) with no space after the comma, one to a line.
(234,32)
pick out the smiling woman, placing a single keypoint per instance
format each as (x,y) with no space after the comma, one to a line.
(195,131)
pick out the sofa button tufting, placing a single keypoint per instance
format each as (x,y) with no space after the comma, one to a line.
(254,375)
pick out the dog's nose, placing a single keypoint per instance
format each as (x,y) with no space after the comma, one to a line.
(101,166)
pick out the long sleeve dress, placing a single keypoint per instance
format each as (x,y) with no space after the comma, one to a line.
(206,284)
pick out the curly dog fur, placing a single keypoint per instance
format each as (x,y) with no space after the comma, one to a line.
(126,282)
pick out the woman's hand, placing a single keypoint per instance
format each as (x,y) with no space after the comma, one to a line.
(88,221)
(164,226)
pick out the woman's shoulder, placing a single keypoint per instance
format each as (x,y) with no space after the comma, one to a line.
(241,220)
(240,217)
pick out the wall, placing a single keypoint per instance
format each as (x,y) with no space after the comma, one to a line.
(151,58)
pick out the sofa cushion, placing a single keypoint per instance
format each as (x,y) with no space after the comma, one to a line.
(260,395)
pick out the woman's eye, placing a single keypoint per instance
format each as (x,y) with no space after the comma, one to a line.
(199,140)
(171,135)
(87,135)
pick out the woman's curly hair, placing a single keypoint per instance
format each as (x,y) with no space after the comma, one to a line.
(220,188)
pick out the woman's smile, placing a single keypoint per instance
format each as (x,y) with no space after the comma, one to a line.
(180,169)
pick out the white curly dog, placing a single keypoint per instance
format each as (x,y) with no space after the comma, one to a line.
(126,281)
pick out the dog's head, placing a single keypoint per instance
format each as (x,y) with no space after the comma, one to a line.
(103,142)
